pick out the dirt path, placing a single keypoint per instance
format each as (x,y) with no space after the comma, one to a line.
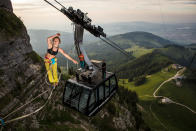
(171,101)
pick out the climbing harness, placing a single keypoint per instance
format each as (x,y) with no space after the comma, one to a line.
(50,61)
(53,61)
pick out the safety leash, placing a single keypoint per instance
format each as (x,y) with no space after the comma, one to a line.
(27,115)
(26,104)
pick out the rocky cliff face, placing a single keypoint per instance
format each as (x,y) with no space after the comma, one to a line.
(6,4)
(21,69)
(22,77)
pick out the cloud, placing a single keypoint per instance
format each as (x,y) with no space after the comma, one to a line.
(30,6)
(100,4)
(26,6)
(37,13)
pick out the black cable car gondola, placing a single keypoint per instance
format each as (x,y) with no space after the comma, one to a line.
(88,91)
(88,99)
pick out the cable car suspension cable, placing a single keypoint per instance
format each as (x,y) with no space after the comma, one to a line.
(122,51)
(115,44)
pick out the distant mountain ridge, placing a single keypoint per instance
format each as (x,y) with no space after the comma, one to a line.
(193,45)
(182,33)
(178,54)
(144,39)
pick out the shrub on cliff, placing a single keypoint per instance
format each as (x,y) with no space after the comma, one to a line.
(10,24)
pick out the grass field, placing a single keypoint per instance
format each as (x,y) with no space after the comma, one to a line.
(139,51)
(185,94)
(168,116)
(151,84)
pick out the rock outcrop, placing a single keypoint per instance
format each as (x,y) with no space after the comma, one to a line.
(16,54)
(6,4)
(21,69)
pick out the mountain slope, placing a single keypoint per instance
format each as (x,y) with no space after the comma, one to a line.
(144,65)
(135,43)
(179,54)
(167,116)
(143,39)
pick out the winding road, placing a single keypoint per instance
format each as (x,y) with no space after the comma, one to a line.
(179,73)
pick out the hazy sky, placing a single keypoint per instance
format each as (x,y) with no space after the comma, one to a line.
(36,14)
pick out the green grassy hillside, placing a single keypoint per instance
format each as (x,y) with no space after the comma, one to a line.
(185,94)
(144,65)
(138,51)
(161,117)
(179,54)
(140,44)
(153,81)
(150,61)
(136,43)
(144,39)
